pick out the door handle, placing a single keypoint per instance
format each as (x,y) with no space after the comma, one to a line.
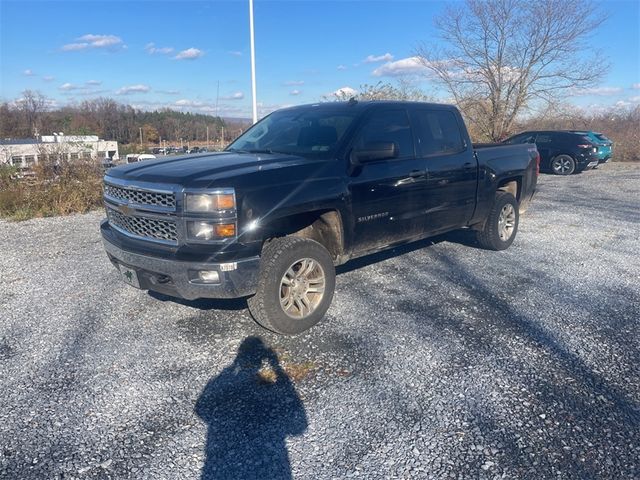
(417,173)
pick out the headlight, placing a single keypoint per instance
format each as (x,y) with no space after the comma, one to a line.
(204,231)
(209,202)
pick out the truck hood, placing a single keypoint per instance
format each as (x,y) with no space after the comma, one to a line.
(203,170)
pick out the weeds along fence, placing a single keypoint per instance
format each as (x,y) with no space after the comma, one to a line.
(61,189)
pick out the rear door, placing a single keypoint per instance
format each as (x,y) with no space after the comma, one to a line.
(452,170)
(388,195)
(547,145)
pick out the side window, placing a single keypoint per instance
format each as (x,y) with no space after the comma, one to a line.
(388,126)
(438,132)
(543,138)
(515,140)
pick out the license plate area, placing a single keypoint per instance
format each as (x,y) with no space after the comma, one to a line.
(129,275)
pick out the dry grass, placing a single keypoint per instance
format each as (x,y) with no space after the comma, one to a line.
(295,371)
(68,188)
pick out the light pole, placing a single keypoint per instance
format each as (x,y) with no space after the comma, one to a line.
(253,64)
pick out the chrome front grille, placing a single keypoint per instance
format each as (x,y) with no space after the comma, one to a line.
(140,197)
(144,227)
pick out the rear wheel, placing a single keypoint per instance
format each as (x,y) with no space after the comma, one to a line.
(502,223)
(563,165)
(295,286)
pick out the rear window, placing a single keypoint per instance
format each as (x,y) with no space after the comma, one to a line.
(438,132)
(522,138)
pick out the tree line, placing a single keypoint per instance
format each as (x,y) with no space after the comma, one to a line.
(31,116)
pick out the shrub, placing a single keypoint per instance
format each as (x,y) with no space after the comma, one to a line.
(55,190)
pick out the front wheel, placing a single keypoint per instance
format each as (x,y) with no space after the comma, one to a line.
(295,286)
(502,223)
(563,165)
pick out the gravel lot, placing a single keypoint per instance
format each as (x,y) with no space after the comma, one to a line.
(436,361)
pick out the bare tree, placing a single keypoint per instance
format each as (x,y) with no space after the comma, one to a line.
(404,90)
(33,105)
(500,57)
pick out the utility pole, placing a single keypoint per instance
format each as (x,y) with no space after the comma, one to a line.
(207,136)
(140,136)
(253,64)
(217,97)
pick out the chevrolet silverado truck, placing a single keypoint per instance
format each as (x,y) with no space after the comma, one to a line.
(303,190)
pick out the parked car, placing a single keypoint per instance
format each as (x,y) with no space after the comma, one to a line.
(561,152)
(139,157)
(304,190)
(604,145)
(194,150)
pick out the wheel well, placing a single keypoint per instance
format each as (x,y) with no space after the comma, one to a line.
(325,227)
(512,186)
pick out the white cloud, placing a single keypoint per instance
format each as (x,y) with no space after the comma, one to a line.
(71,47)
(28,73)
(344,92)
(48,78)
(85,92)
(387,57)
(294,83)
(295,92)
(94,41)
(235,53)
(93,82)
(169,92)
(341,67)
(600,91)
(151,49)
(189,54)
(133,89)
(234,96)
(636,86)
(635,99)
(65,87)
(183,102)
(405,66)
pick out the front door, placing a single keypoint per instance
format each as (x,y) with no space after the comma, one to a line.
(388,195)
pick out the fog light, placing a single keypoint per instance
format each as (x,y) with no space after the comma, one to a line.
(209,276)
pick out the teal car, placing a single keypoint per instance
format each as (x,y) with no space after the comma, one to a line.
(604,145)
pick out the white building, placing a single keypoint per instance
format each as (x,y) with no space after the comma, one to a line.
(58,147)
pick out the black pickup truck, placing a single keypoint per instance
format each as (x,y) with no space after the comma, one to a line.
(304,190)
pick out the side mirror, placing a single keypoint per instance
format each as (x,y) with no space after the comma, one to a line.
(374,151)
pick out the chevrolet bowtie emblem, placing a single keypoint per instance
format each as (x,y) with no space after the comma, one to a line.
(125,209)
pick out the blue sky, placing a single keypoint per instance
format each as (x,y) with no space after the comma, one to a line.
(154,54)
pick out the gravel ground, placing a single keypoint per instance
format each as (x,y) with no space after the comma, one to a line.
(436,361)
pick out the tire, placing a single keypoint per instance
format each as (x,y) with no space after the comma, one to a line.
(563,165)
(502,223)
(291,268)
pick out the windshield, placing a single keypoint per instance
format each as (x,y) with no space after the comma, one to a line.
(311,133)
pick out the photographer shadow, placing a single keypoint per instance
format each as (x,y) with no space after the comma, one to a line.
(249,416)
